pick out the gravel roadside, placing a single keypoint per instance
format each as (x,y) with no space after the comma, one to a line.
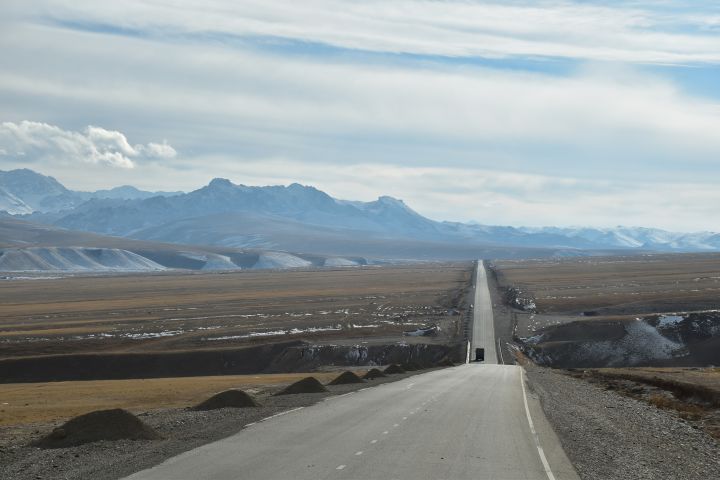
(609,436)
(181,429)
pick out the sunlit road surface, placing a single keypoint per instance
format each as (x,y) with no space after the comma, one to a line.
(483,331)
(465,422)
(474,421)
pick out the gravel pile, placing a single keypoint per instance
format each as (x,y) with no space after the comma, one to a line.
(346,378)
(228,399)
(609,436)
(306,385)
(181,429)
(115,424)
(374,373)
(394,369)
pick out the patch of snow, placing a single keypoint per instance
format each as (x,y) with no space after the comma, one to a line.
(12,204)
(273,333)
(74,259)
(642,343)
(669,320)
(280,260)
(339,262)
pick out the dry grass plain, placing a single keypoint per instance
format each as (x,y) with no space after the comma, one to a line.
(24,403)
(180,312)
(617,286)
(708,378)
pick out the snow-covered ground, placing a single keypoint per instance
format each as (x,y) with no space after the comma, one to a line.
(73,259)
(280,260)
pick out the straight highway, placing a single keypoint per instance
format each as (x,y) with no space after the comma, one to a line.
(473,421)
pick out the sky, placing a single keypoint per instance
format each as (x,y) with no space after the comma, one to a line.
(592,113)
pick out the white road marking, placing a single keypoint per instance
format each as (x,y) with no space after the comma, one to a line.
(540,450)
(385,432)
(373,441)
(338,396)
(281,414)
(250,424)
(502,360)
(404,418)
(396,425)
(359,453)
(340,467)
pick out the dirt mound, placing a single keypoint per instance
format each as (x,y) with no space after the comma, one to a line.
(306,385)
(394,368)
(446,362)
(227,399)
(345,378)
(115,424)
(411,366)
(374,373)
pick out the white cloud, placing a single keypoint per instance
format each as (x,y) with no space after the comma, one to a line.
(633,33)
(229,93)
(158,150)
(35,141)
(456,141)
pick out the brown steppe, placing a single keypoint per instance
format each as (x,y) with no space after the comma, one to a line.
(24,403)
(611,286)
(179,312)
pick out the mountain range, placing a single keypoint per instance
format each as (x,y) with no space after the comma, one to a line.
(24,191)
(303,218)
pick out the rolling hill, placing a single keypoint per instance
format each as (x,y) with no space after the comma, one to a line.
(31,247)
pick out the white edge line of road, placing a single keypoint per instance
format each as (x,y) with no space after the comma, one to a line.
(338,396)
(280,414)
(540,450)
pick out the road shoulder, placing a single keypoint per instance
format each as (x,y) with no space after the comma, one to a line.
(609,436)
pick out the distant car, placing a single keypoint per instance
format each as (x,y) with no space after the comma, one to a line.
(479,354)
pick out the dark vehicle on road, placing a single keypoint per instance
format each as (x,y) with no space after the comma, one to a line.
(479,354)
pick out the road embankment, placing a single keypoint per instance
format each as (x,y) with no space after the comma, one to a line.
(610,436)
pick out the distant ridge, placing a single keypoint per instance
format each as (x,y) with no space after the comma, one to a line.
(303,218)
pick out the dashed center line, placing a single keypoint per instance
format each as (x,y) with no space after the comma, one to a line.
(373,441)
(396,425)
(404,418)
(385,432)
(340,467)
(359,453)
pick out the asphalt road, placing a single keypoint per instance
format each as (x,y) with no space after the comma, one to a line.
(483,332)
(474,421)
(465,422)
